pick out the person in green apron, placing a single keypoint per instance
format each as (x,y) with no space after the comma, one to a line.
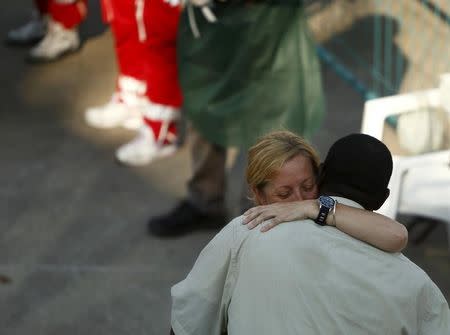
(252,71)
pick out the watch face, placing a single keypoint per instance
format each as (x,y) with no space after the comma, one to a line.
(326,201)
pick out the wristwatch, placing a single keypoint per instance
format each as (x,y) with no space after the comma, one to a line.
(326,204)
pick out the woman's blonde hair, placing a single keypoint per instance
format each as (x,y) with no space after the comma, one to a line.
(271,151)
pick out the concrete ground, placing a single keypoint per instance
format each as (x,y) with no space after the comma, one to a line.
(75,257)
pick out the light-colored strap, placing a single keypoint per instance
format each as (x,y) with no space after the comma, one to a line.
(159,112)
(334,213)
(207,13)
(142,34)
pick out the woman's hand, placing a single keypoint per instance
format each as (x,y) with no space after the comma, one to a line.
(279,212)
(373,228)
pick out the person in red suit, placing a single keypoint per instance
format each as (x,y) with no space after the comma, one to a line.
(148,94)
(53,27)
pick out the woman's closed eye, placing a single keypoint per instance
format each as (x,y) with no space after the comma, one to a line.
(284,195)
(308,188)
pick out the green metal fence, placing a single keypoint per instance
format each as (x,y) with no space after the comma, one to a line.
(383,47)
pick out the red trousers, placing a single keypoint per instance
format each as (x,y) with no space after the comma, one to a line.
(145,41)
(68,13)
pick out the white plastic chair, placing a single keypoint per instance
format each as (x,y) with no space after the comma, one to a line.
(420,184)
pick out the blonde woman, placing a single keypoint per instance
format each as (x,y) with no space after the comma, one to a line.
(282,174)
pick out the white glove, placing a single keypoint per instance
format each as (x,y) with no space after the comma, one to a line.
(173,3)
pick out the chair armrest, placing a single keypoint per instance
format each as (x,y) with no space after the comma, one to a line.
(377,110)
(437,158)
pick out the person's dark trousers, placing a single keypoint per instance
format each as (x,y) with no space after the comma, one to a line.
(206,188)
(204,206)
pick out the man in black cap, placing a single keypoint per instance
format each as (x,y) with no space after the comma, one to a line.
(357,167)
(305,277)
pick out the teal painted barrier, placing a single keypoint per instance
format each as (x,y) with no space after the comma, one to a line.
(368,57)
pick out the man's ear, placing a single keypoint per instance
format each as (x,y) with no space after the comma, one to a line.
(381,200)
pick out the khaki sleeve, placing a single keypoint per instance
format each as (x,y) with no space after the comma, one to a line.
(200,302)
(434,315)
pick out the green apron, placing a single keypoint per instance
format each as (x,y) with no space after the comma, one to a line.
(252,71)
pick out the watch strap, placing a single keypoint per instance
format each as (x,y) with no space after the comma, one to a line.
(322,216)
(326,205)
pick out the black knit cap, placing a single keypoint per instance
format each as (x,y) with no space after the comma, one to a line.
(358,167)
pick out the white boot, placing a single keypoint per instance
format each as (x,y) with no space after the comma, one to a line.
(124,108)
(145,148)
(58,42)
(29,33)
(114,114)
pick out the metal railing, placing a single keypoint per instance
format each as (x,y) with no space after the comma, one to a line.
(383,47)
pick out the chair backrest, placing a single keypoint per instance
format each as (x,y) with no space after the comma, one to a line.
(417,130)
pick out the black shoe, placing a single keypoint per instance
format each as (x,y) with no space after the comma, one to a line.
(184,219)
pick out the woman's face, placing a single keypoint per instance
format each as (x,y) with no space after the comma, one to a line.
(295,181)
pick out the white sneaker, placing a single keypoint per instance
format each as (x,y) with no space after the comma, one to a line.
(114,114)
(58,42)
(125,107)
(144,149)
(29,33)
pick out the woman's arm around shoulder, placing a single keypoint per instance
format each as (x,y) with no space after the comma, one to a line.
(370,227)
